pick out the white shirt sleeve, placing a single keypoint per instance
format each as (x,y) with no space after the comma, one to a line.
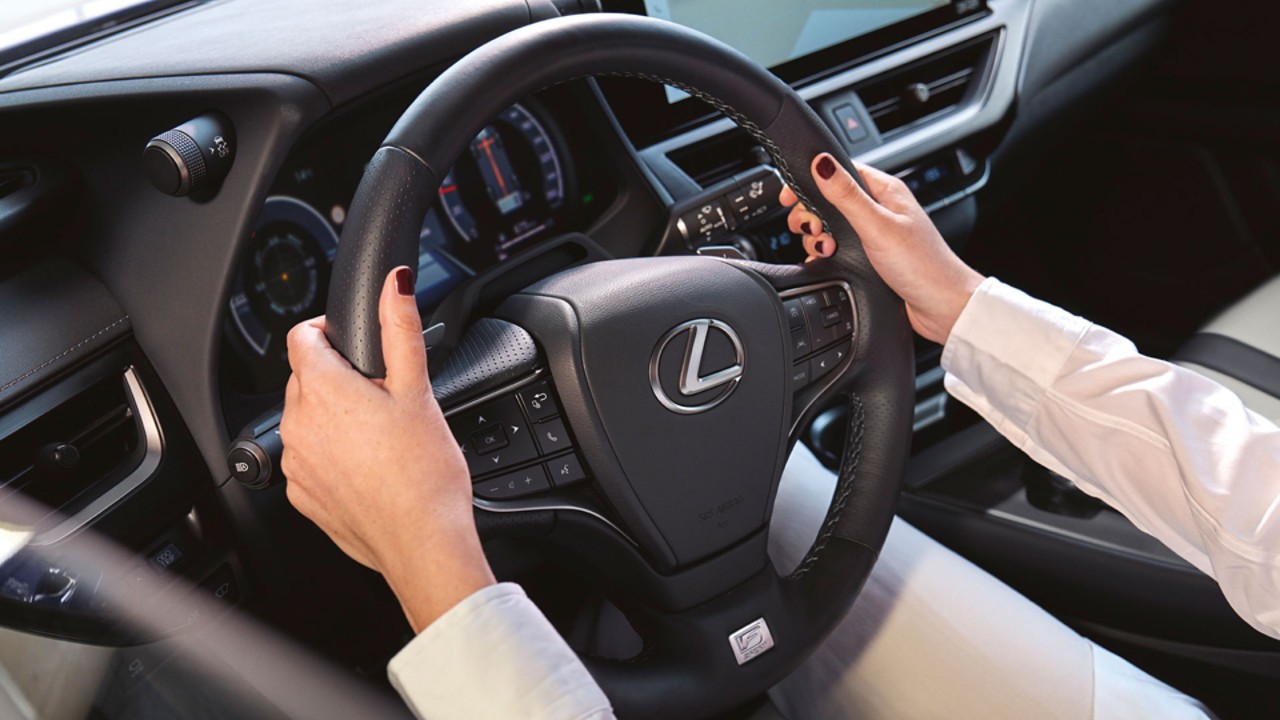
(1178,454)
(495,655)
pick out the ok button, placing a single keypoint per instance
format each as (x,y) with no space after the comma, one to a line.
(489,439)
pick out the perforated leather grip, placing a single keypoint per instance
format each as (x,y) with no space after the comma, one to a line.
(381,233)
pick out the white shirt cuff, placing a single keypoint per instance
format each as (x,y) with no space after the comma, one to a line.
(495,655)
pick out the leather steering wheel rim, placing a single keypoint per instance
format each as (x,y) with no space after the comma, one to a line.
(381,233)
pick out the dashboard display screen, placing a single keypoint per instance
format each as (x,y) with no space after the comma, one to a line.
(773,33)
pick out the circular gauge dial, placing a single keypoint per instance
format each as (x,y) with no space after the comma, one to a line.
(285,269)
(504,190)
(285,275)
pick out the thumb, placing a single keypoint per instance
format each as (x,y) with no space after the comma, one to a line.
(402,348)
(838,186)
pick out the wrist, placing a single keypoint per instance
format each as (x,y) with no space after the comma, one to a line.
(437,570)
(962,291)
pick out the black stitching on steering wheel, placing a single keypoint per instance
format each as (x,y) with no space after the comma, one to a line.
(848,473)
(743,122)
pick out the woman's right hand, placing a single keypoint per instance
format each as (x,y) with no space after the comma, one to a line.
(900,240)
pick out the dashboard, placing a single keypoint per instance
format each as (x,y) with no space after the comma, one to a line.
(527,176)
(520,182)
(193,296)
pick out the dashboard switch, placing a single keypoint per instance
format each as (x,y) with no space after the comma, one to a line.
(192,157)
(167,557)
(706,221)
(250,459)
(756,196)
(850,123)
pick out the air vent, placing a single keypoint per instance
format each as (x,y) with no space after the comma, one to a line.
(929,88)
(68,456)
(720,158)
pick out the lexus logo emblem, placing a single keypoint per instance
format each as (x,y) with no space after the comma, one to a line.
(690,339)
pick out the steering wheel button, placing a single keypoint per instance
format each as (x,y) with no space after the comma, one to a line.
(795,313)
(565,470)
(830,316)
(801,375)
(551,435)
(540,401)
(829,360)
(487,462)
(492,438)
(821,336)
(800,343)
(516,484)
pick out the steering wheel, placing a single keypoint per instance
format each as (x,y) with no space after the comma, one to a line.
(686,462)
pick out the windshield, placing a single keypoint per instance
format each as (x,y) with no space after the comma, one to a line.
(27,28)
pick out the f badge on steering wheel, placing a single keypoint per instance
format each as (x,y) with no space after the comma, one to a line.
(707,391)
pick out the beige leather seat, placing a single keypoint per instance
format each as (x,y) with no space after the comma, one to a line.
(1240,349)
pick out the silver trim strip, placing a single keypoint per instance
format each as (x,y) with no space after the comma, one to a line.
(140,404)
(528,504)
(532,504)
(853,339)
(496,393)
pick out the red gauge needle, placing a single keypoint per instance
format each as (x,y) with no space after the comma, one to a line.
(487,146)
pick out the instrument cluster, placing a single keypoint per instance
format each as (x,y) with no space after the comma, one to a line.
(516,184)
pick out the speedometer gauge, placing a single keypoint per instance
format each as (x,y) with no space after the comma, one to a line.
(285,273)
(505,189)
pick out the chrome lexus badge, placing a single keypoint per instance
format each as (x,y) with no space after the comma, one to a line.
(691,339)
(751,641)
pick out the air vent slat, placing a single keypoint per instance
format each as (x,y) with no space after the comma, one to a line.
(97,425)
(926,89)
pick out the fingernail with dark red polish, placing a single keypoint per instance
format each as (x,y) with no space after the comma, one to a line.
(804,227)
(822,248)
(826,167)
(404,281)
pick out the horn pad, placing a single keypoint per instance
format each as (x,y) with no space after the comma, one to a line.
(681,368)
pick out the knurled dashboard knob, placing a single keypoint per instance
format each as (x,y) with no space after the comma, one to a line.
(191,158)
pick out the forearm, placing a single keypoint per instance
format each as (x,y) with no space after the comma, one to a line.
(438,567)
(1176,453)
